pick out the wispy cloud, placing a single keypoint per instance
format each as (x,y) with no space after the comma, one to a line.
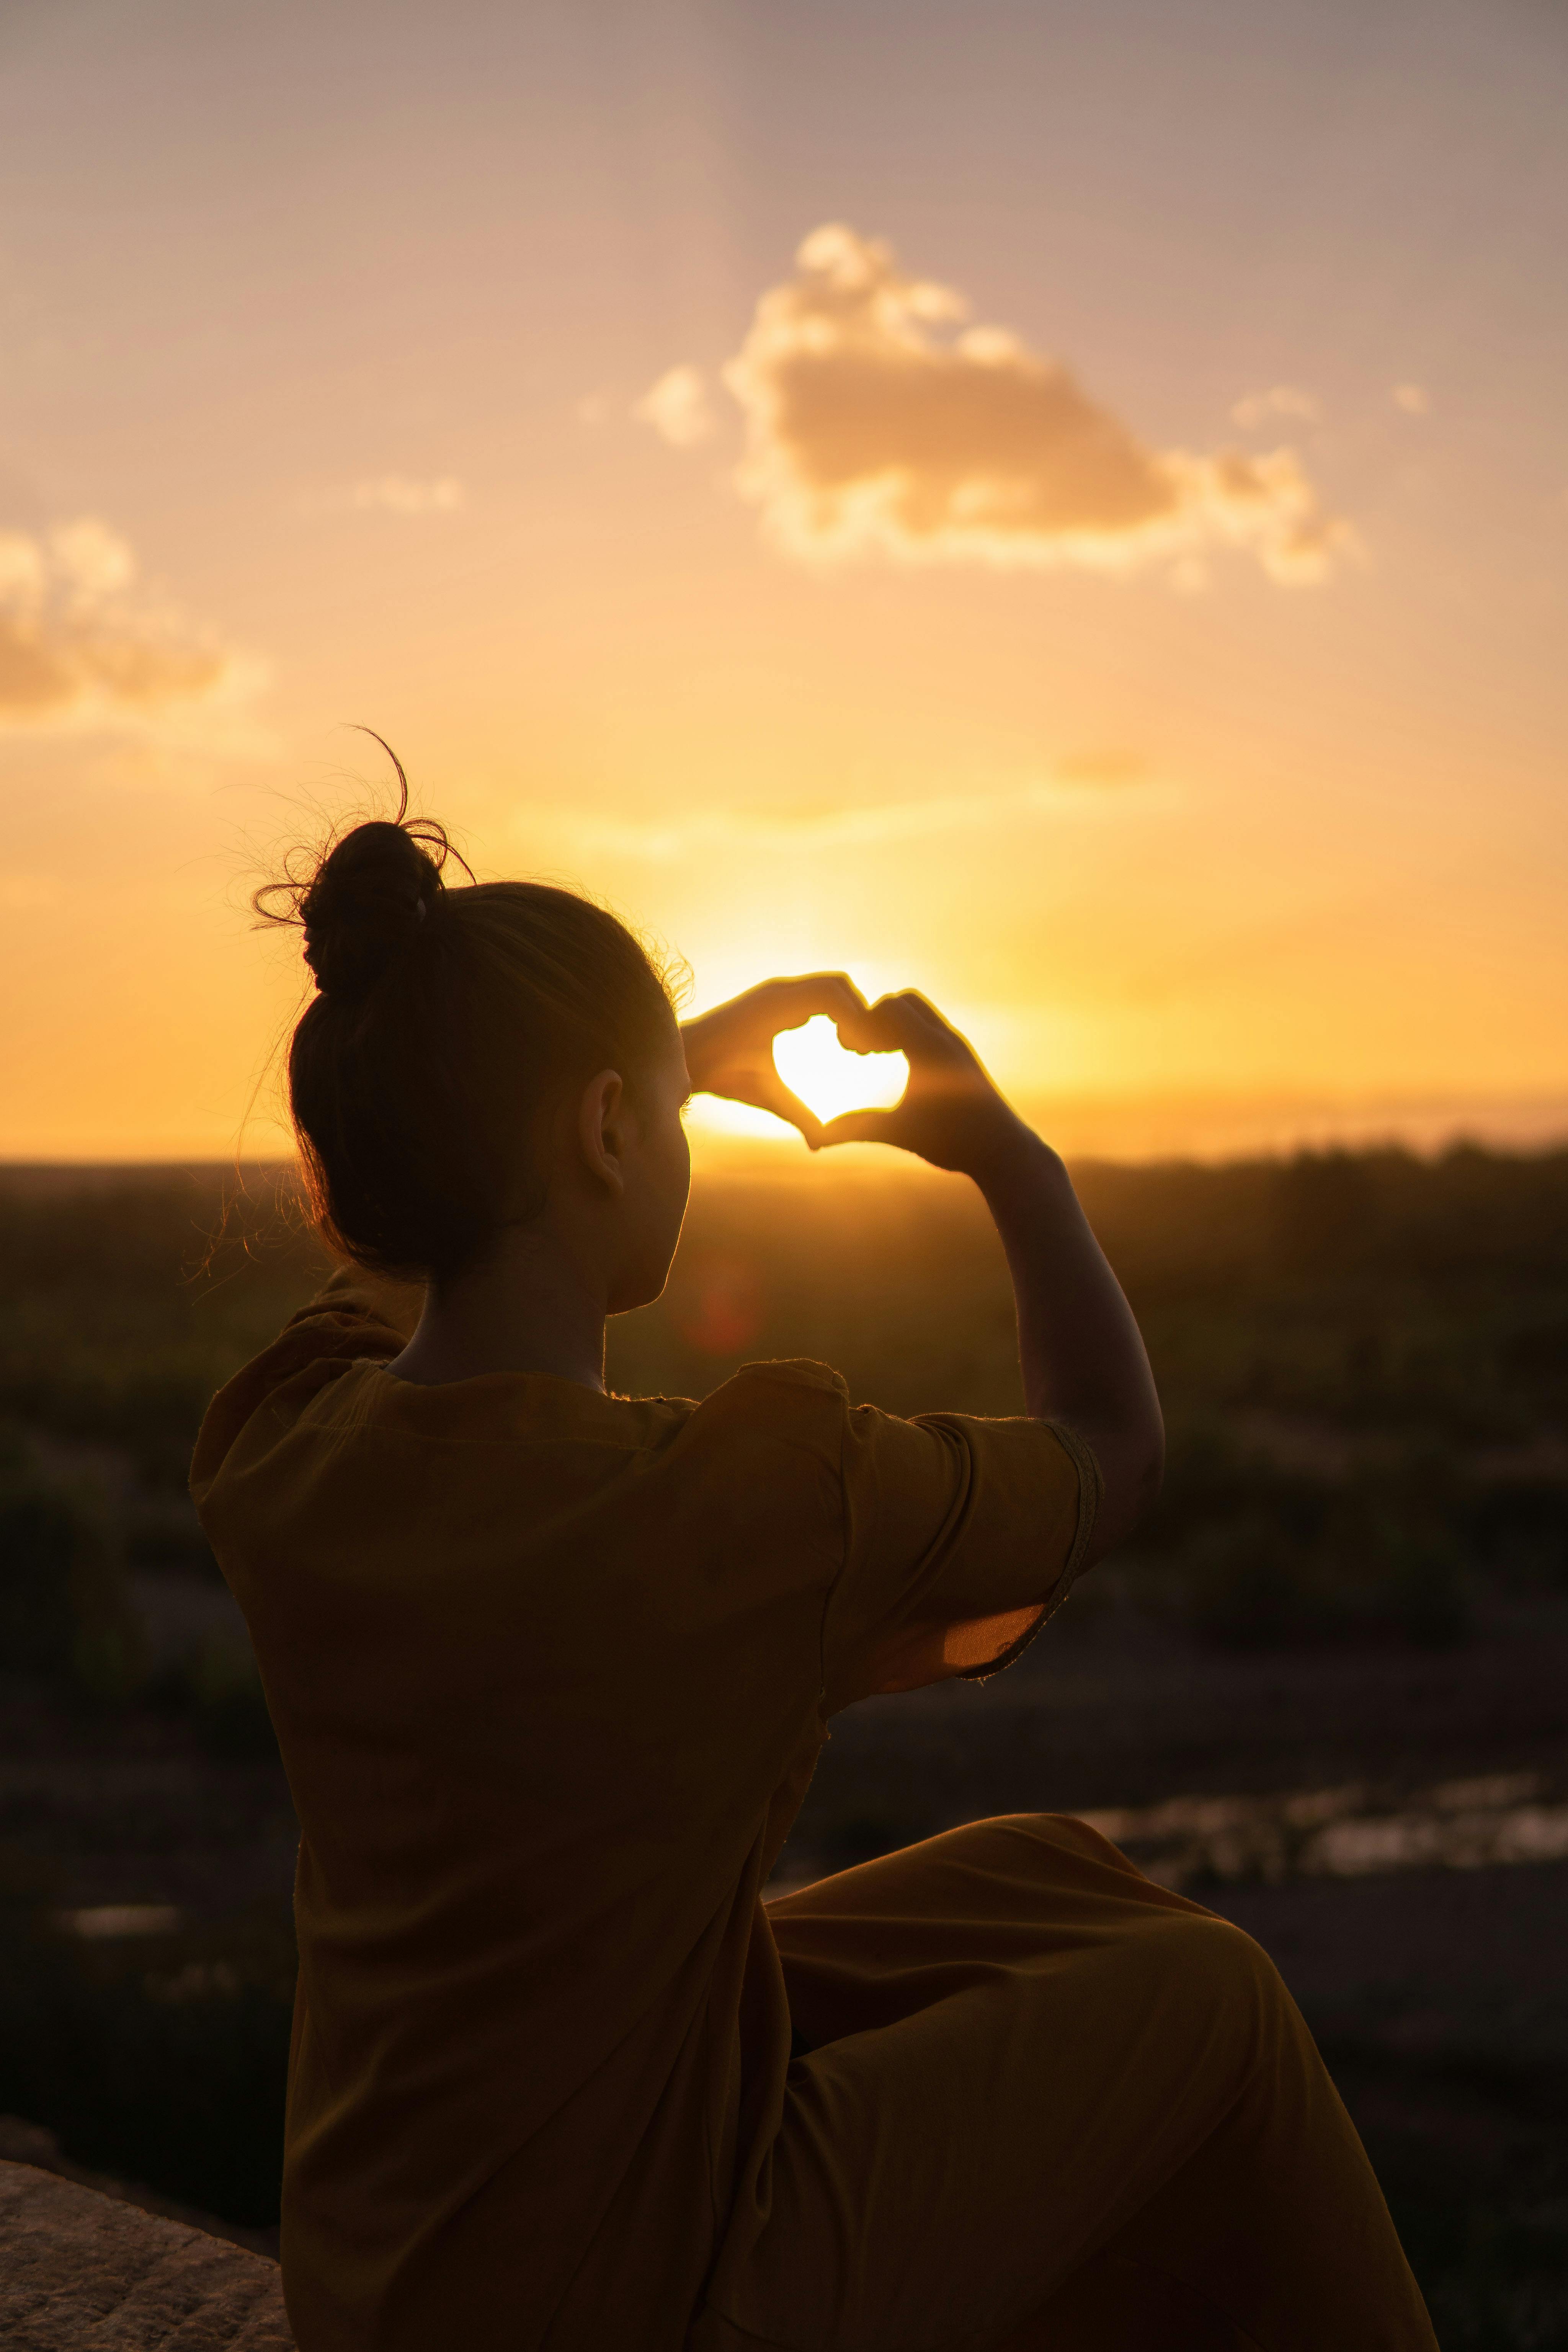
(1083,785)
(403,494)
(79,641)
(1280,400)
(877,424)
(679,409)
(1413,398)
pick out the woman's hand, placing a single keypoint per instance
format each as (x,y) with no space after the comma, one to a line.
(729,1051)
(950,1113)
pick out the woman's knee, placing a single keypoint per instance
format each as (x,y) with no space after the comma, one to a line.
(1217,1972)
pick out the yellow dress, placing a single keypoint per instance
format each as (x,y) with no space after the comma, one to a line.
(550,1671)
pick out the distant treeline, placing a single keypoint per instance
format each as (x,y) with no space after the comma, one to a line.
(128,1296)
(1363,1356)
(1334,1216)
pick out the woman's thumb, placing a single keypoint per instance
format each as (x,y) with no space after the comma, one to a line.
(859,1126)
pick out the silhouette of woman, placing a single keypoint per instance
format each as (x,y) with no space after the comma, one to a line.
(550,1669)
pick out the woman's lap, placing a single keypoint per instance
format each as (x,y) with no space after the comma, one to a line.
(1021,2048)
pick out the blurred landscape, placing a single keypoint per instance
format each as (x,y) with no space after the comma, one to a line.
(1324,1693)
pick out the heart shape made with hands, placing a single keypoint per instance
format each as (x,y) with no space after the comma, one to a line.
(814,1066)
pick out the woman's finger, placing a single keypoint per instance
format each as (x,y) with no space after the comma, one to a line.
(792,1003)
(775,1097)
(894,1024)
(861,1127)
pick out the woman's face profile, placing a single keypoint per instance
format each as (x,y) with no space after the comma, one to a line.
(658,1168)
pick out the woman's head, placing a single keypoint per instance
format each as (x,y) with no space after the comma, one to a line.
(438,1076)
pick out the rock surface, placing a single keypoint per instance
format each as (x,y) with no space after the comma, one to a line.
(81,2269)
(22,2142)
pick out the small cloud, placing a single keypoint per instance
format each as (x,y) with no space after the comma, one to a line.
(406,494)
(1279,400)
(678,406)
(91,563)
(1413,398)
(877,424)
(79,642)
(1190,576)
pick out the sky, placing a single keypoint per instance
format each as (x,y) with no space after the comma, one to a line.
(1062,507)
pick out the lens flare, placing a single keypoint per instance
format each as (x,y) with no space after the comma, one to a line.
(812,1063)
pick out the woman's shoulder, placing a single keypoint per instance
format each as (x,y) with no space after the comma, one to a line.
(792,1400)
(749,1385)
(355,1317)
(787,1374)
(326,1370)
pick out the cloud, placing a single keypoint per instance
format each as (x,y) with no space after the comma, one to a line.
(1413,398)
(402,494)
(1279,400)
(875,425)
(79,641)
(678,406)
(1083,785)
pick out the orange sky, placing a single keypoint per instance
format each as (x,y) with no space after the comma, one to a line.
(1062,508)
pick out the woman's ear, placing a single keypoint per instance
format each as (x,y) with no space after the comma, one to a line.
(602,1129)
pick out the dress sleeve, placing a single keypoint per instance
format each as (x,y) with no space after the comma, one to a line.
(961,1536)
(354,1315)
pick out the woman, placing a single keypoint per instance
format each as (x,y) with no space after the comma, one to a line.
(550,1670)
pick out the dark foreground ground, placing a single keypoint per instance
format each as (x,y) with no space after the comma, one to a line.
(1326,1694)
(1436,1992)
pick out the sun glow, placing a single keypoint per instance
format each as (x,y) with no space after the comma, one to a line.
(812,1063)
(802,621)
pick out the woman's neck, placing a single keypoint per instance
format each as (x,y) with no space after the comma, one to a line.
(527,1308)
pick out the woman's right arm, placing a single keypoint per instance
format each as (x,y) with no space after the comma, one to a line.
(1082,1354)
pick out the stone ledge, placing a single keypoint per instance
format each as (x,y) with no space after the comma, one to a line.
(78,2269)
(26,2143)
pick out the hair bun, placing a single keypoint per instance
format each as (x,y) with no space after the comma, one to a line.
(370,897)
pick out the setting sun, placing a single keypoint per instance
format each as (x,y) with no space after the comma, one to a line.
(812,1063)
